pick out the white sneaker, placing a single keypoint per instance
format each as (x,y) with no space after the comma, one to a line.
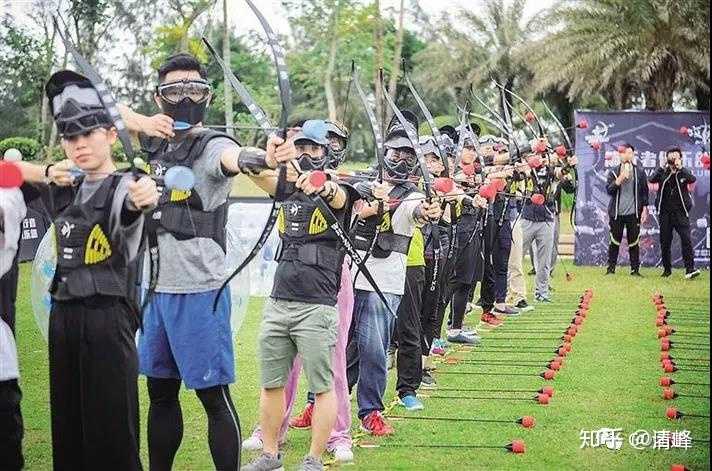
(343,454)
(692,274)
(253,443)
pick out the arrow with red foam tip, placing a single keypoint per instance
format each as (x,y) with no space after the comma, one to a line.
(669,394)
(678,467)
(667,381)
(673,413)
(516,447)
(317,178)
(443,184)
(526,421)
(10,175)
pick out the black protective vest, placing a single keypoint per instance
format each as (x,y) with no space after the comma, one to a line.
(181,213)
(306,235)
(387,242)
(89,263)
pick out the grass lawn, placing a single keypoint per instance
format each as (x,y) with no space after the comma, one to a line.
(609,380)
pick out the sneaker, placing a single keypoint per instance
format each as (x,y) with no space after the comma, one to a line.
(254,443)
(666,274)
(611,271)
(506,311)
(489,318)
(437,350)
(636,273)
(311,464)
(376,425)
(524,306)
(343,454)
(542,299)
(427,381)
(391,358)
(441,343)
(265,462)
(303,420)
(411,403)
(531,272)
(463,338)
(692,274)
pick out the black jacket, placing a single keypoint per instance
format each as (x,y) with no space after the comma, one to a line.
(641,195)
(673,186)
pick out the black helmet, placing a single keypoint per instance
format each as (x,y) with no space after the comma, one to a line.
(75,104)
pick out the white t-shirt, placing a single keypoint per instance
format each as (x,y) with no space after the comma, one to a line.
(12,212)
(389,272)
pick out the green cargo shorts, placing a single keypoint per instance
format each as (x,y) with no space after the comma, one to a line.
(290,328)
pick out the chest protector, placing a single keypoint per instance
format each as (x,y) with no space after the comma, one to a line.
(306,235)
(181,213)
(89,263)
(387,240)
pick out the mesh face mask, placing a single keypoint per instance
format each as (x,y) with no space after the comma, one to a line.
(185,100)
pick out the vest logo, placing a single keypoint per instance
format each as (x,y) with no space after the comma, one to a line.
(98,248)
(179,195)
(159,170)
(386,222)
(66,229)
(317,224)
(294,209)
(280,221)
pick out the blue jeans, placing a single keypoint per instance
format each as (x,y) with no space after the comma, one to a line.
(371,331)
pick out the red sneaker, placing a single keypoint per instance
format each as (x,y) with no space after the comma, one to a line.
(303,420)
(489,318)
(376,425)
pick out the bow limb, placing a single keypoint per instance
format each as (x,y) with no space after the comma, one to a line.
(427,180)
(285,94)
(569,144)
(529,108)
(431,122)
(107,100)
(378,149)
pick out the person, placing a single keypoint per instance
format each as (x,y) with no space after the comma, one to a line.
(538,219)
(673,204)
(339,442)
(627,185)
(300,317)
(94,317)
(186,335)
(516,281)
(373,323)
(12,212)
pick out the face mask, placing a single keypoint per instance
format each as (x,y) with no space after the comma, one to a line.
(308,163)
(186,110)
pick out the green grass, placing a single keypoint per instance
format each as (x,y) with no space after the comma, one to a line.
(609,380)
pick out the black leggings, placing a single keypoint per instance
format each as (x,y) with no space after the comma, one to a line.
(461,295)
(165,425)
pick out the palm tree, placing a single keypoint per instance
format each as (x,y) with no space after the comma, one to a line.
(624,49)
(483,49)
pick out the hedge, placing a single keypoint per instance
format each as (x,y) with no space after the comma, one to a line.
(28,147)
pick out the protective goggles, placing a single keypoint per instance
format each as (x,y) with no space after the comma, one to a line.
(197,91)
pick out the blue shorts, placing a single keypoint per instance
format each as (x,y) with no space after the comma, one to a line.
(183,338)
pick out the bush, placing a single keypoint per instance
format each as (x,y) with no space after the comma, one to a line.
(28,147)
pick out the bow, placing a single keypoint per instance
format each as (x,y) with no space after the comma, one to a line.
(569,144)
(529,109)
(427,180)
(443,156)
(378,149)
(109,103)
(285,95)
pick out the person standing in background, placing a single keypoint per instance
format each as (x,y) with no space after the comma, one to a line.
(628,209)
(673,203)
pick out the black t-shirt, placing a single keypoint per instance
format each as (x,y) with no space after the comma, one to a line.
(296,280)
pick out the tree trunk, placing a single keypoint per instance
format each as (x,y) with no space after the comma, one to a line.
(227,89)
(702,97)
(661,86)
(329,74)
(378,63)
